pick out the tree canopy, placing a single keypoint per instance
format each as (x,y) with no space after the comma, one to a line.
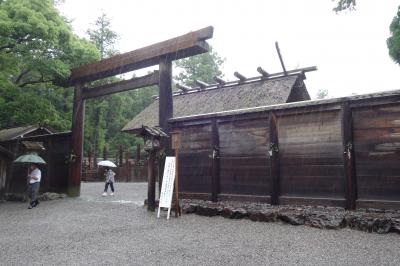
(37,47)
(201,67)
(393,42)
(345,5)
(105,116)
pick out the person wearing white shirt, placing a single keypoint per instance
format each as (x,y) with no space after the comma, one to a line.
(34,184)
(109,174)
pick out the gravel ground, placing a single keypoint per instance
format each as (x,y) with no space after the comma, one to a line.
(95,230)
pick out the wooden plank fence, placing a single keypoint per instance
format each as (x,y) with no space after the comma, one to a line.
(337,152)
(135,172)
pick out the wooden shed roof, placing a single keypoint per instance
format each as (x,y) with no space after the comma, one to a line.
(261,92)
(18,132)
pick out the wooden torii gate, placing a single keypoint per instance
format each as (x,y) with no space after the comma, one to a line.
(162,54)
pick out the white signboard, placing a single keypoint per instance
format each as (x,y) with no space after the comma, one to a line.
(167,187)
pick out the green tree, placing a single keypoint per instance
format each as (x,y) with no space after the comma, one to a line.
(103,36)
(393,42)
(99,109)
(105,116)
(37,47)
(202,67)
(345,5)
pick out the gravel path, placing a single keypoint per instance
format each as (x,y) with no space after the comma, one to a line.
(117,230)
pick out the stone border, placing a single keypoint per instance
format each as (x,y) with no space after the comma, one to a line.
(367,220)
(22,197)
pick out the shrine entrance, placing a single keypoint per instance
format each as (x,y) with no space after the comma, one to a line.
(161,54)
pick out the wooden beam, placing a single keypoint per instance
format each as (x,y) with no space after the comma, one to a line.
(215,179)
(239,76)
(75,170)
(183,88)
(280,57)
(262,72)
(219,80)
(201,84)
(274,159)
(348,156)
(186,45)
(125,85)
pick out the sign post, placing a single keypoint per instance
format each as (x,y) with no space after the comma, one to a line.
(167,185)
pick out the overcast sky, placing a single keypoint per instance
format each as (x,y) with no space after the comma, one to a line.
(349,49)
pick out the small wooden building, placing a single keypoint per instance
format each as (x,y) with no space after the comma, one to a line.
(54,173)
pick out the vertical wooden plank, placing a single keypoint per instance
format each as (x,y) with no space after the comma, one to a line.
(75,170)
(151,182)
(127,156)
(90,158)
(105,152)
(348,156)
(137,152)
(165,109)
(121,156)
(274,158)
(176,192)
(215,171)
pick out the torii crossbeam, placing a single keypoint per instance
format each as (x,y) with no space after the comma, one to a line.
(162,54)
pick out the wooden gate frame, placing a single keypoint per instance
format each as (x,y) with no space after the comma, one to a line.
(162,54)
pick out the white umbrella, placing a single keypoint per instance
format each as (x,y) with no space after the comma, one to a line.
(106,163)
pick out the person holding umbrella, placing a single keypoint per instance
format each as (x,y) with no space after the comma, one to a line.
(34,177)
(109,175)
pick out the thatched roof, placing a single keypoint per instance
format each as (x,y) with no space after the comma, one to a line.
(19,132)
(257,93)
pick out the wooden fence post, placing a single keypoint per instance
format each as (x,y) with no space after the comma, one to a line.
(151,182)
(215,179)
(348,156)
(105,152)
(89,158)
(274,158)
(127,155)
(137,152)
(121,156)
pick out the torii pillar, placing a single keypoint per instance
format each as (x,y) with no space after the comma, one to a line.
(162,53)
(75,167)
(165,112)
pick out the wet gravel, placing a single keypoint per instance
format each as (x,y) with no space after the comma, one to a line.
(95,230)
